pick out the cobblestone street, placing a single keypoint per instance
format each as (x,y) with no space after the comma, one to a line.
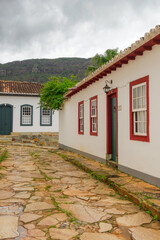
(42,197)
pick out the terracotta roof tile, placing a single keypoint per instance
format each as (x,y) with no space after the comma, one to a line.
(19,88)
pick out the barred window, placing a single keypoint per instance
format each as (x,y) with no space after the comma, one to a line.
(81,117)
(26,115)
(139,109)
(46,115)
(93,116)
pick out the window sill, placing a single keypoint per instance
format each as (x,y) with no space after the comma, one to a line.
(93,133)
(139,138)
(46,125)
(81,133)
(23,125)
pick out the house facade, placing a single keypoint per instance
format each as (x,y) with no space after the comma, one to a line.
(122,126)
(20,111)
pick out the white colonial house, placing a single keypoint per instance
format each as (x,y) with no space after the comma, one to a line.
(20,111)
(122,126)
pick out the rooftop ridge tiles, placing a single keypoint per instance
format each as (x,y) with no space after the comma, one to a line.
(2,80)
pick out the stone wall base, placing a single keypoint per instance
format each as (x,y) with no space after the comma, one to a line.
(39,139)
(82,153)
(146,177)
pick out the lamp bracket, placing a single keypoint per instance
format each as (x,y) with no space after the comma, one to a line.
(109,81)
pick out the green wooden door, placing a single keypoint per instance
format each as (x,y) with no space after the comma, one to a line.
(6,118)
(113,129)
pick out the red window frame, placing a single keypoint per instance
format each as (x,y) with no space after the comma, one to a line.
(132,135)
(91,132)
(80,103)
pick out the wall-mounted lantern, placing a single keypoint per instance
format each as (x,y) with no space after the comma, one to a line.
(107,88)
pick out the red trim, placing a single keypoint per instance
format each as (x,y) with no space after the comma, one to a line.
(111,94)
(80,132)
(94,133)
(132,136)
(124,60)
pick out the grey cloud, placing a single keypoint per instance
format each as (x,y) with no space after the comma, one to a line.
(26,21)
(45,28)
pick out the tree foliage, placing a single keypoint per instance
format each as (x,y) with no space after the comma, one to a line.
(54,90)
(99,59)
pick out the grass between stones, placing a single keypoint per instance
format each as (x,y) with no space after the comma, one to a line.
(45,175)
(55,203)
(48,187)
(68,213)
(32,153)
(3,155)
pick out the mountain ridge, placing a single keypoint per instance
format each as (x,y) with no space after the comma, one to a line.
(39,70)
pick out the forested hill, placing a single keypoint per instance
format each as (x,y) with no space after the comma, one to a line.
(39,70)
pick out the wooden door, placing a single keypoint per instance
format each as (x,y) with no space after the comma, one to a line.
(113,129)
(6,119)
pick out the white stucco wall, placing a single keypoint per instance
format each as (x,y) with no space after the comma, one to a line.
(140,156)
(16,102)
(69,136)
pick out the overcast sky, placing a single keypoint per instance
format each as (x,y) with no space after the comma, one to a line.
(72,28)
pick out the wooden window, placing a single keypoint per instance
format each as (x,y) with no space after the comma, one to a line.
(93,116)
(139,109)
(81,117)
(45,117)
(26,115)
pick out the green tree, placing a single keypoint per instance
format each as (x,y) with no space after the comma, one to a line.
(54,90)
(99,59)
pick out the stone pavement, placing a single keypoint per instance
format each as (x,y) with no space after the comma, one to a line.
(143,194)
(44,197)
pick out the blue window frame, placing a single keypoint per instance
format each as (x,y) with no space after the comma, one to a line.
(45,117)
(26,115)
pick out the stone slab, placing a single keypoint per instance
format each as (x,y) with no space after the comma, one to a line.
(29,226)
(98,236)
(155,201)
(22,195)
(85,213)
(8,227)
(29,217)
(109,201)
(134,219)
(141,233)
(6,194)
(36,206)
(75,192)
(114,211)
(48,221)
(62,234)
(21,189)
(104,227)
(36,233)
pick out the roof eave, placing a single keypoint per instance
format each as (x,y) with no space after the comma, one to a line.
(136,49)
